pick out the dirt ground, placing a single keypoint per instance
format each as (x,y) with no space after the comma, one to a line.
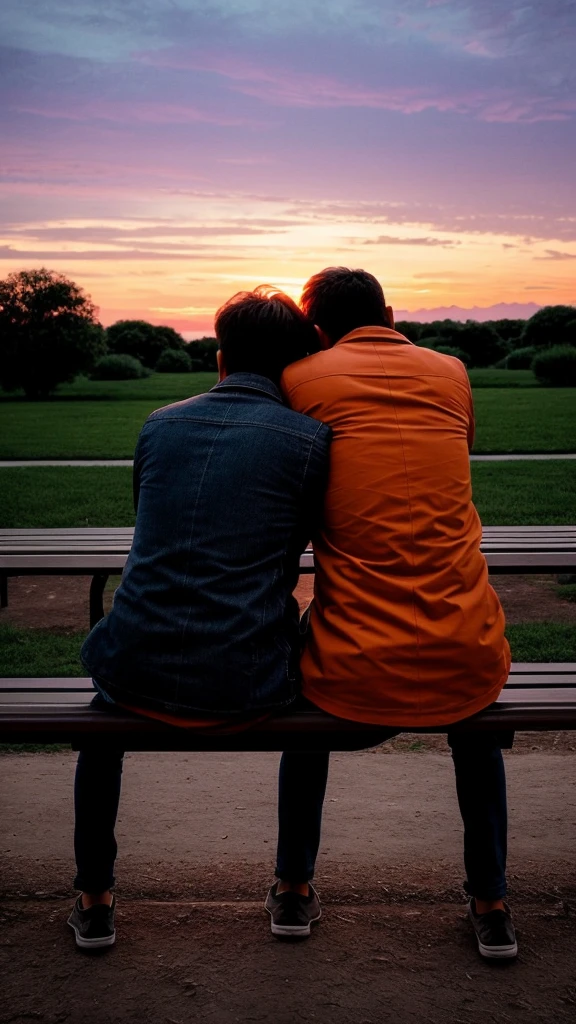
(197,834)
(61,602)
(183,962)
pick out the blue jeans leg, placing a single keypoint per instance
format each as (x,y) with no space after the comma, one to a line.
(481,789)
(301,789)
(96,798)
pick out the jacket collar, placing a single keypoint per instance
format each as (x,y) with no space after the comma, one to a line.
(249,382)
(374,334)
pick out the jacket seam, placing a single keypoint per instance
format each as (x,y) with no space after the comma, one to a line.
(239,423)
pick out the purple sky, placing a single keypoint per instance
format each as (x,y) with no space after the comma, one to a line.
(164,153)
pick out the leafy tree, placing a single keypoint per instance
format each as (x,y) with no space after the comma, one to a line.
(520,358)
(458,353)
(509,329)
(48,332)
(119,367)
(409,328)
(556,366)
(483,345)
(174,361)
(202,352)
(146,342)
(448,330)
(552,325)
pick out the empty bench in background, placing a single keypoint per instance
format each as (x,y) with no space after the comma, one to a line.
(102,552)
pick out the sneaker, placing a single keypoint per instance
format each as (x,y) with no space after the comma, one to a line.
(494,932)
(292,914)
(94,927)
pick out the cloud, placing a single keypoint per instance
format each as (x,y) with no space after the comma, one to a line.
(395,240)
(7,252)
(554,254)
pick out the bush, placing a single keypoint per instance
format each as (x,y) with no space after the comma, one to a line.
(119,367)
(48,332)
(556,366)
(451,350)
(552,325)
(520,358)
(174,361)
(202,352)
(411,329)
(142,340)
(483,345)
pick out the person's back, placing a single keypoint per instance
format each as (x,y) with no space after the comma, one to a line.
(405,628)
(204,617)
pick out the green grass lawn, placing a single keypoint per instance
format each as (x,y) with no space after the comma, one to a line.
(101,419)
(513,493)
(492,378)
(525,420)
(39,652)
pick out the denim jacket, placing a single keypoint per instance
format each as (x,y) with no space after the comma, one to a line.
(229,489)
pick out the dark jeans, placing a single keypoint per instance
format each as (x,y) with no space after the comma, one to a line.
(481,789)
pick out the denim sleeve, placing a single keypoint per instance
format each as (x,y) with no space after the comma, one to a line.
(137,467)
(316,480)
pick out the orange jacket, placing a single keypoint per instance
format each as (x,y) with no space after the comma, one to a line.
(405,628)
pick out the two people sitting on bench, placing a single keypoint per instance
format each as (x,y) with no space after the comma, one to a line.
(326,425)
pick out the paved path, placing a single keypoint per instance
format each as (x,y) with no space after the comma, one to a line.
(10,464)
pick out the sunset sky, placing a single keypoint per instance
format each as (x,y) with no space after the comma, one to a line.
(166,153)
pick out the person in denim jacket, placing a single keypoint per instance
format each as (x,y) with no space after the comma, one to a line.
(229,489)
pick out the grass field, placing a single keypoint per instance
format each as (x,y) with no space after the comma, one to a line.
(512,493)
(39,652)
(106,423)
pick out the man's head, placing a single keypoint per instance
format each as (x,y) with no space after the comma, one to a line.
(339,300)
(262,332)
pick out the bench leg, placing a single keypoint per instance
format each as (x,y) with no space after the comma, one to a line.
(3,591)
(97,585)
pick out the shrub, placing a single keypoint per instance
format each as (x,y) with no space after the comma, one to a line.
(174,361)
(552,325)
(556,366)
(202,352)
(142,340)
(483,345)
(411,329)
(119,367)
(520,358)
(451,350)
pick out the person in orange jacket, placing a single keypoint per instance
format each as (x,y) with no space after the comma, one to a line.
(405,630)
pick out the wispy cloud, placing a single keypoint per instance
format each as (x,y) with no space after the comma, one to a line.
(446,243)
(554,254)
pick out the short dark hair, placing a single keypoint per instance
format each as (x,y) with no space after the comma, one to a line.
(263,332)
(339,300)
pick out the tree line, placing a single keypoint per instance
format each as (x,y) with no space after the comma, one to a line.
(50,333)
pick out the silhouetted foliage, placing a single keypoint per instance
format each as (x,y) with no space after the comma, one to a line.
(142,340)
(519,358)
(481,342)
(48,332)
(119,367)
(409,328)
(552,325)
(556,366)
(174,361)
(202,353)
(509,330)
(458,353)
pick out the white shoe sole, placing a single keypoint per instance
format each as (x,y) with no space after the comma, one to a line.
(295,931)
(498,952)
(107,940)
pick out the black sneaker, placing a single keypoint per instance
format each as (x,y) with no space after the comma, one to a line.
(94,927)
(494,932)
(291,914)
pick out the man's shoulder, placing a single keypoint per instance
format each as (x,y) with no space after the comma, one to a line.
(317,365)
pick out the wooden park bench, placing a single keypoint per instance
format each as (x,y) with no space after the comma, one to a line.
(102,552)
(536,697)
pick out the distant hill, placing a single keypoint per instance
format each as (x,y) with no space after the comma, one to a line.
(500,311)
